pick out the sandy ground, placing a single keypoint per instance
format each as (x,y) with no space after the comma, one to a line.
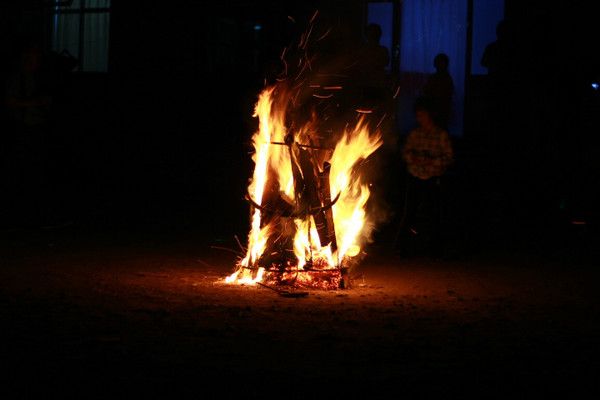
(143,319)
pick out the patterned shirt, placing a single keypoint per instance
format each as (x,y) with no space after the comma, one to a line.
(427,152)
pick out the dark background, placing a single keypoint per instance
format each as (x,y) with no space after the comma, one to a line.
(163,137)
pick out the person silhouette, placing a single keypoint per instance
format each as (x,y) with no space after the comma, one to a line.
(497,55)
(373,60)
(376,55)
(29,107)
(503,92)
(439,90)
(26,101)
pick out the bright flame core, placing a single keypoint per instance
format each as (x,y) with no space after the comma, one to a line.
(273,162)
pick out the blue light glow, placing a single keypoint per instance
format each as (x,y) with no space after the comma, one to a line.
(257,27)
(55,30)
(595,85)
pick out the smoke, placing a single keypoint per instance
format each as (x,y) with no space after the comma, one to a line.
(325,75)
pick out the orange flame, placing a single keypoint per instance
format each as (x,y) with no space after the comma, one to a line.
(352,226)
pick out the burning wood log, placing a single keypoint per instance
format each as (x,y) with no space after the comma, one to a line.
(325,224)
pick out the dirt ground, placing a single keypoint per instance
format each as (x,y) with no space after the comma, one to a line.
(145,319)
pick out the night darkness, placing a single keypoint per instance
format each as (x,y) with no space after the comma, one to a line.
(119,212)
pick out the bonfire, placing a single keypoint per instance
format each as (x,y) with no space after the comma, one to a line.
(308,193)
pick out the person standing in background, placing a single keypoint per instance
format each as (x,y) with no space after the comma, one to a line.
(373,60)
(29,109)
(428,153)
(439,89)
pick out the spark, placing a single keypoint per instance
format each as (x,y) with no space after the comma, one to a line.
(381,120)
(323,36)
(307,37)
(314,16)
(309,63)
(332,75)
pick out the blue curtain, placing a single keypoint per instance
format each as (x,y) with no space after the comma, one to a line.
(429,27)
(95,57)
(66,33)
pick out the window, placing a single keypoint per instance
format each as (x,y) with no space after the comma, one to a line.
(81,27)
